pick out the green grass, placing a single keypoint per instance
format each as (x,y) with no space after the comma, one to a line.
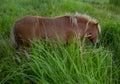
(69,64)
(61,64)
(95,1)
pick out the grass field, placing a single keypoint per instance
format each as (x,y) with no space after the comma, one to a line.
(64,64)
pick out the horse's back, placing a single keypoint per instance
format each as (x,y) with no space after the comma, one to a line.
(31,27)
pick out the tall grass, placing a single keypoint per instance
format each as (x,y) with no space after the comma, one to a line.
(65,64)
(61,64)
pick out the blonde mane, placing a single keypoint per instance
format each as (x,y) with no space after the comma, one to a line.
(73,19)
(86,17)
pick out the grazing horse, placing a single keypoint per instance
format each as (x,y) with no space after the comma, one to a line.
(65,27)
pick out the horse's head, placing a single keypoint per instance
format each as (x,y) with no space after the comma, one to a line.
(88,28)
(92,32)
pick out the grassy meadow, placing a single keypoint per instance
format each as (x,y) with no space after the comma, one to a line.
(62,64)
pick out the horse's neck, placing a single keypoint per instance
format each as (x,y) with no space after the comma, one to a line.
(82,28)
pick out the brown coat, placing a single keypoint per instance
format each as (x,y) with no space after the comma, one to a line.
(64,27)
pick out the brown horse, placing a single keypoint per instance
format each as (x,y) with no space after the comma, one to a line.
(65,27)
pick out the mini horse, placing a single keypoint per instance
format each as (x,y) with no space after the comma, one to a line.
(65,27)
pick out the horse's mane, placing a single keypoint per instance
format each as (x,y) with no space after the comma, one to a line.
(87,17)
(73,19)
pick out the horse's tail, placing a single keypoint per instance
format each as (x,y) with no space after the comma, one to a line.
(12,37)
